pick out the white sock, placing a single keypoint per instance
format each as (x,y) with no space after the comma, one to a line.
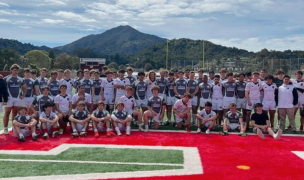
(146,126)
(128,128)
(33,134)
(117,128)
(274,135)
(194,118)
(108,129)
(5,128)
(74,130)
(95,130)
(225,131)
(139,125)
(83,130)
(20,135)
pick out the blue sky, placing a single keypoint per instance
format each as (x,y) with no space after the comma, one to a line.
(246,24)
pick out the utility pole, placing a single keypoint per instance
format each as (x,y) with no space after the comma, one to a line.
(167,55)
(204,54)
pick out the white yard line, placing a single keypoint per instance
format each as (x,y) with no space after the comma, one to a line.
(90,162)
(299,153)
(192,163)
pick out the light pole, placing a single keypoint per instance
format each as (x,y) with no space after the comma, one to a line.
(167,54)
(203,54)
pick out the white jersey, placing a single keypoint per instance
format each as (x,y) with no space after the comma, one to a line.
(269,91)
(217,91)
(300,85)
(150,84)
(210,81)
(108,87)
(50,117)
(120,92)
(254,90)
(206,115)
(63,102)
(69,83)
(180,106)
(129,103)
(86,95)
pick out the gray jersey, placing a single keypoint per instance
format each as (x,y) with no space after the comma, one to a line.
(199,80)
(41,82)
(192,84)
(205,90)
(30,87)
(156,103)
(88,83)
(240,89)
(100,114)
(170,91)
(140,88)
(23,119)
(54,88)
(81,115)
(132,79)
(13,85)
(120,115)
(229,89)
(96,84)
(181,86)
(76,84)
(162,83)
(41,100)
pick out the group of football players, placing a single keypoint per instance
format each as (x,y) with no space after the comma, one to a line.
(113,101)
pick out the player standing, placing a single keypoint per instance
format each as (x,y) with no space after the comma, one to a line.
(41,81)
(193,90)
(120,85)
(63,105)
(107,91)
(269,105)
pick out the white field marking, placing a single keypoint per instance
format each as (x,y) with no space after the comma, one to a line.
(299,153)
(192,163)
(90,162)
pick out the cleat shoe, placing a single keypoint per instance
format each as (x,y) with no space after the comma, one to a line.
(198,130)
(146,130)
(119,133)
(278,134)
(174,124)
(167,123)
(140,129)
(21,139)
(75,134)
(294,132)
(83,133)
(45,136)
(55,133)
(109,133)
(128,133)
(288,128)
(301,127)
(224,133)
(208,131)
(35,137)
(260,134)
(188,129)
(60,131)
(96,134)
(6,131)
(242,134)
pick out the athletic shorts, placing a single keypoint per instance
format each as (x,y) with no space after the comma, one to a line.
(163,95)
(156,118)
(48,127)
(234,126)
(101,128)
(170,100)
(203,101)
(27,101)
(253,102)
(142,103)
(255,129)
(79,127)
(217,104)
(300,103)
(25,132)
(241,103)
(194,101)
(109,98)
(207,124)
(121,127)
(14,102)
(269,105)
(96,98)
(178,119)
(227,101)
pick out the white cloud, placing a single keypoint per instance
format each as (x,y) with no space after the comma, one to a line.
(123,23)
(16,13)
(73,16)
(100,14)
(4,20)
(294,42)
(25,27)
(52,21)
(4,4)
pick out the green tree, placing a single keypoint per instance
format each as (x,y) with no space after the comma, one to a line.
(52,58)
(113,65)
(40,58)
(148,67)
(9,57)
(63,61)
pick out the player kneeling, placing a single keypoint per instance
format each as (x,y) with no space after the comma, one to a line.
(24,124)
(261,123)
(182,110)
(49,121)
(235,119)
(121,119)
(206,118)
(80,120)
(101,120)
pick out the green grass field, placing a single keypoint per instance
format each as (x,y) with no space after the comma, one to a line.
(82,162)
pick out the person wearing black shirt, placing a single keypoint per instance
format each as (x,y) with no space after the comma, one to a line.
(3,92)
(261,123)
